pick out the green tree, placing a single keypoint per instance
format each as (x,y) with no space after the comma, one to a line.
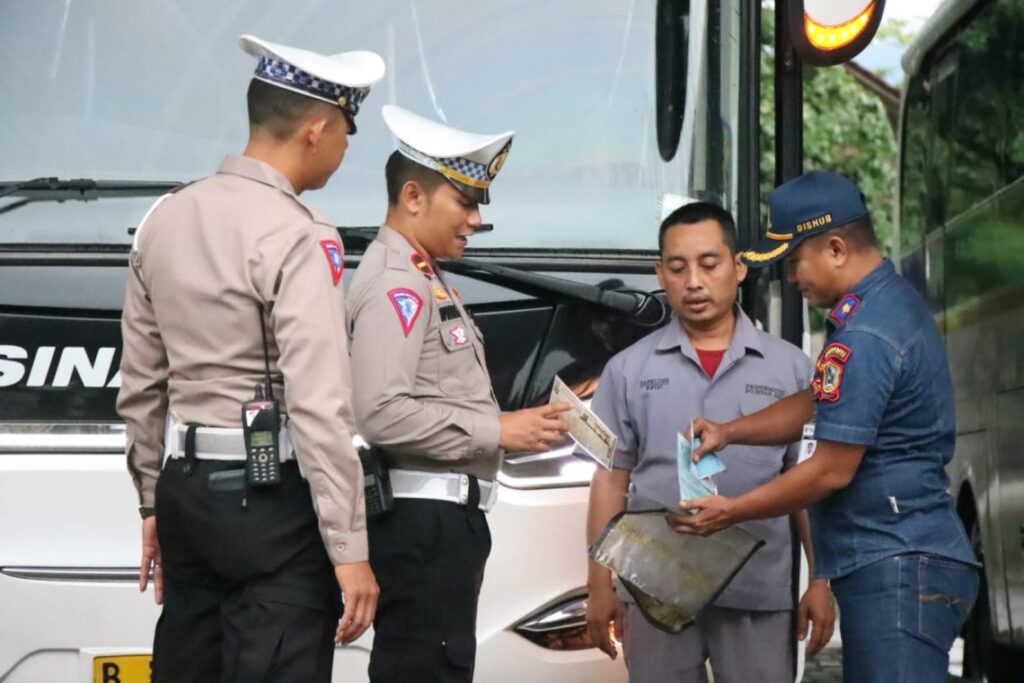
(845,130)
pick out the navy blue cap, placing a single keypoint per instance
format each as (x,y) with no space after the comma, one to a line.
(816,202)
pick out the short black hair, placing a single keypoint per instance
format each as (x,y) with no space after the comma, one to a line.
(696,212)
(280,112)
(859,234)
(400,169)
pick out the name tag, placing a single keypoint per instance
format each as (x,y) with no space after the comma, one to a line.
(808,443)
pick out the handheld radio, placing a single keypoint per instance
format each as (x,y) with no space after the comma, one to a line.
(261,427)
(377,493)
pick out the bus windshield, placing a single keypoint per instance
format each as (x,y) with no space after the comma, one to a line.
(121,90)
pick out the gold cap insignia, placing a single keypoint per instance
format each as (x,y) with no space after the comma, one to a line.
(498,161)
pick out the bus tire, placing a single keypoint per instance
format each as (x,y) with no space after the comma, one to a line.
(985,661)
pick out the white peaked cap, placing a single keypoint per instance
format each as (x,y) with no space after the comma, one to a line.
(343,79)
(468,160)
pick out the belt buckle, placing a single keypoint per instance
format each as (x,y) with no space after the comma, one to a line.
(463,489)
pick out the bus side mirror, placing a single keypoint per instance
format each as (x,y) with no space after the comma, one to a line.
(827,32)
(671,42)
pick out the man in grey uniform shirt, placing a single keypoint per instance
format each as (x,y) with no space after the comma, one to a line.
(709,359)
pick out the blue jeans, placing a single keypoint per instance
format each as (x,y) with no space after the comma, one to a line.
(898,617)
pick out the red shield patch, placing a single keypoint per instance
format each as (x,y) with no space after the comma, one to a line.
(335,258)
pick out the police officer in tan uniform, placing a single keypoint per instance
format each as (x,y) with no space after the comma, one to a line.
(249,575)
(424,399)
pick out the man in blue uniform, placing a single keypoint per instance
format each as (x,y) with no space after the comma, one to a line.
(884,527)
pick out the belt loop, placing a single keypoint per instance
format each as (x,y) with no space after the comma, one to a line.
(474,493)
(190,450)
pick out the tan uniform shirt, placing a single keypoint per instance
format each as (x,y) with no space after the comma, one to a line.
(204,260)
(423,392)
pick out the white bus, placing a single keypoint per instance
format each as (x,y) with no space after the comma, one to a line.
(624,110)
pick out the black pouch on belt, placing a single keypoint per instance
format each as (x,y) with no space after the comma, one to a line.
(376,482)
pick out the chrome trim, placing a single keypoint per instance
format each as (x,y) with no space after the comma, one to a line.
(80,574)
(569,614)
(49,437)
(516,467)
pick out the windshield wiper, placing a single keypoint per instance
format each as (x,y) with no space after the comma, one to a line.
(78,190)
(358,238)
(645,308)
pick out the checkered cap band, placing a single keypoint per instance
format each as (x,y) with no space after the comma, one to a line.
(462,170)
(468,168)
(287,74)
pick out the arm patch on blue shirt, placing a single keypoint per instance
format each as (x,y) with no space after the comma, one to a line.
(828,372)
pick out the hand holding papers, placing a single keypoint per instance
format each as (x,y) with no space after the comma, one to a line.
(584,426)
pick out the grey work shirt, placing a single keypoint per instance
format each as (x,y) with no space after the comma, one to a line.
(422,390)
(205,261)
(651,390)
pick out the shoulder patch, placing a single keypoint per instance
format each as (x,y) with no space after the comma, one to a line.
(421,264)
(828,372)
(844,309)
(335,258)
(408,305)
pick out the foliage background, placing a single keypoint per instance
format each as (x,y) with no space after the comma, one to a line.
(845,130)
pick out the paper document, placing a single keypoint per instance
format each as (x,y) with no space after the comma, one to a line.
(584,426)
(708,466)
(695,479)
(690,487)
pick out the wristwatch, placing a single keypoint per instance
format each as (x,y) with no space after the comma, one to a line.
(145,512)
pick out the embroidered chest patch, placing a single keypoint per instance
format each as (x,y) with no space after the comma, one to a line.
(458,334)
(844,309)
(408,305)
(335,259)
(828,372)
(654,383)
(765,390)
(455,333)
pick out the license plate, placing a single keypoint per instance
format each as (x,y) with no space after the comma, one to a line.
(121,669)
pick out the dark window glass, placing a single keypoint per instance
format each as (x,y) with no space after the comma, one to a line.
(988,132)
(913,191)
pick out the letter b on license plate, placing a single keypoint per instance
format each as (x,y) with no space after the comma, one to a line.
(121,669)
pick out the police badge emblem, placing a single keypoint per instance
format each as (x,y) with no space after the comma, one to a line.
(498,161)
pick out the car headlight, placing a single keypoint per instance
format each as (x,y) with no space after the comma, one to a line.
(562,626)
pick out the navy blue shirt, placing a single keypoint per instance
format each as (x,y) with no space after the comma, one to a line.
(882,381)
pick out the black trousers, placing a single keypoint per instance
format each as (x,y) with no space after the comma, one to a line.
(428,557)
(249,594)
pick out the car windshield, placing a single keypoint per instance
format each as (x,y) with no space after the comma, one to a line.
(123,90)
